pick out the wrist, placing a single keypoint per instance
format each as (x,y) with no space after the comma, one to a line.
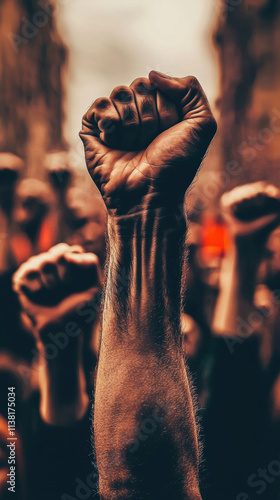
(159,204)
(145,254)
(242,265)
(62,387)
(156,227)
(60,333)
(57,414)
(144,215)
(248,254)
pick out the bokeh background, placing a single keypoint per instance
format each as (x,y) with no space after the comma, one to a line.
(56,58)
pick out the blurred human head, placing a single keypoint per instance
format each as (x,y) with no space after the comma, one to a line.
(33,200)
(88,221)
(57,165)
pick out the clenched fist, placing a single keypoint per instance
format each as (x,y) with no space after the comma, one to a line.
(52,286)
(144,144)
(251,209)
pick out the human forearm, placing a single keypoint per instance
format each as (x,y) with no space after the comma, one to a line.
(141,361)
(237,285)
(162,128)
(62,383)
(58,294)
(251,212)
(144,276)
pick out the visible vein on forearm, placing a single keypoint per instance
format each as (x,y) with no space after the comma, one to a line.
(148,246)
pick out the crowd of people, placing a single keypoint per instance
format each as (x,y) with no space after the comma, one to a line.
(53,268)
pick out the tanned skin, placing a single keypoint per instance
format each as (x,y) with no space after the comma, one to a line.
(251,212)
(143,147)
(51,287)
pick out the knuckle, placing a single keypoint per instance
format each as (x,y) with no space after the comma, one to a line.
(16,281)
(59,248)
(142,86)
(40,260)
(87,117)
(102,103)
(93,257)
(141,81)
(30,266)
(263,185)
(193,82)
(92,260)
(76,249)
(122,94)
(224,200)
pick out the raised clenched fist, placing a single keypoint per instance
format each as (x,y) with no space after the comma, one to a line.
(144,144)
(251,209)
(53,285)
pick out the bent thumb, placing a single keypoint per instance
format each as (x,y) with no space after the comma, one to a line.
(174,88)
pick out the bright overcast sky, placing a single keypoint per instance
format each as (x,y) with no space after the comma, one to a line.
(112,42)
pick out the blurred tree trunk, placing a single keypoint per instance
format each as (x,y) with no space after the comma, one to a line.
(247,36)
(32,63)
